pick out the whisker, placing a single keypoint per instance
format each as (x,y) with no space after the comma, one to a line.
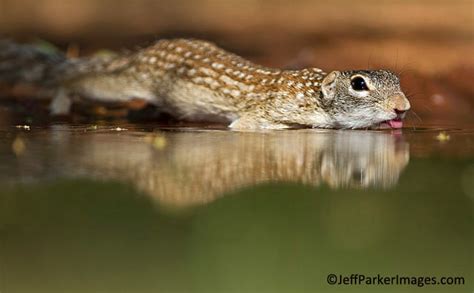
(408,67)
(416,115)
(424,106)
(411,94)
(396,61)
(411,119)
(368,61)
(407,70)
(413,126)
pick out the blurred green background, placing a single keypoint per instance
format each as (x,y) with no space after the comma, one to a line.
(85,236)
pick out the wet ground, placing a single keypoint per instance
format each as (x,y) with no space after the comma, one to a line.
(122,207)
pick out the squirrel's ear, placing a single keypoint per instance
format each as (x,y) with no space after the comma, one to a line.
(328,84)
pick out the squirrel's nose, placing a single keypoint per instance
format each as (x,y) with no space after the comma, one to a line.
(400,103)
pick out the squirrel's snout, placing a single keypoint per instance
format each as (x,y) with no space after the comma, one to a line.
(399,104)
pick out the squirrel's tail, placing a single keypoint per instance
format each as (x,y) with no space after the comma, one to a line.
(29,64)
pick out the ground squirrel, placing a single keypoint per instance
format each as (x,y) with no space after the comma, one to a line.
(197,81)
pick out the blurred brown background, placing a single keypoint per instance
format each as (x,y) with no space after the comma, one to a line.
(430,42)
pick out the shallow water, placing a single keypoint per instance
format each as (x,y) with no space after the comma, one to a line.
(142,208)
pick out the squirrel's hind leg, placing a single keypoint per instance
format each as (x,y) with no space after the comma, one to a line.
(61,103)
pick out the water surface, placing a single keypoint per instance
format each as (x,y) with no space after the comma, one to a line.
(112,207)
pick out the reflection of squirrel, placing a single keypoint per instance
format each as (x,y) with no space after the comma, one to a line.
(195,80)
(193,167)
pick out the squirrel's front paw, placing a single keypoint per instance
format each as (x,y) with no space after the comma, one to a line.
(252,123)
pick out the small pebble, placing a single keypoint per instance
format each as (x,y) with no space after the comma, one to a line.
(26,127)
(442,136)
(18,146)
(157,141)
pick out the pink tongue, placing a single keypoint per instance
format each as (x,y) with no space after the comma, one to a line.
(395,123)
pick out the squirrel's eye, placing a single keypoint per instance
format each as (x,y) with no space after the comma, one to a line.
(358,84)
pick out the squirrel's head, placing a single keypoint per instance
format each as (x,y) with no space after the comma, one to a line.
(364,98)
